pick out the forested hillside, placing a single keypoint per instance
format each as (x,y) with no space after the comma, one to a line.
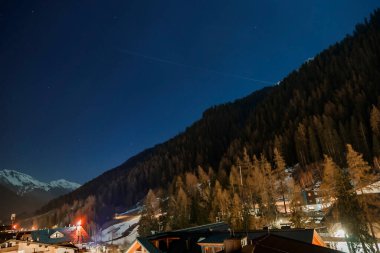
(330,101)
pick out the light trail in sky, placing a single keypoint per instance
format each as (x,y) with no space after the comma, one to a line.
(156,59)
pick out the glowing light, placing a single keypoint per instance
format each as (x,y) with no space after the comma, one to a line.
(14,226)
(340,233)
(79,223)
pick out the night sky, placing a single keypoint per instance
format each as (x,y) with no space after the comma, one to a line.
(84,85)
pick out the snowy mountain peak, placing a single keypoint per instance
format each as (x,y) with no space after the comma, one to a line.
(64,184)
(23,183)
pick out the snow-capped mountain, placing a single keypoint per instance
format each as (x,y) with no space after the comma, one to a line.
(25,194)
(64,184)
(22,183)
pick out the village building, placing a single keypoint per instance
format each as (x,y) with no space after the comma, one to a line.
(217,237)
(73,234)
(19,246)
(58,240)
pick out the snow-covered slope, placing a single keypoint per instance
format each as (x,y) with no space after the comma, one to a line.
(22,183)
(121,233)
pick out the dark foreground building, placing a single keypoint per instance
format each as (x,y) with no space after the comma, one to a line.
(217,237)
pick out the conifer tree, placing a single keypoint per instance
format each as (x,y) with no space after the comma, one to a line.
(361,175)
(267,194)
(182,215)
(203,177)
(236,212)
(358,168)
(327,189)
(336,188)
(235,179)
(220,205)
(296,203)
(204,200)
(280,175)
(257,187)
(350,214)
(148,221)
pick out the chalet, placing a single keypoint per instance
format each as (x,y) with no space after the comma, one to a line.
(18,246)
(272,243)
(218,242)
(183,240)
(74,234)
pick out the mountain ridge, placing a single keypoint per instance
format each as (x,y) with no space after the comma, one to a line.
(24,183)
(315,110)
(23,194)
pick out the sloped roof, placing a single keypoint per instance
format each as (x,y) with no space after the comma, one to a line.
(147,245)
(218,226)
(197,231)
(304,235)
(273,244)
(70,235)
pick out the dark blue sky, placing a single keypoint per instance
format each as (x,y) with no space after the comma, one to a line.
(84,85)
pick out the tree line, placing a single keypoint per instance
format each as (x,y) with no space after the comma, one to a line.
(255,190)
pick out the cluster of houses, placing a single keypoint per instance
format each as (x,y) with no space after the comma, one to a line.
(210,238)
(218,237)
(58,240)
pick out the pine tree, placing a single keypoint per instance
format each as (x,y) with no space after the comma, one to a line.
(328,187)
(280,176)
(361,175)
(148,221)
(298,216)
(194,196)
(336,188)
(257,187)
(182,215)
(235,179)
(359,170)
(350,214)
(267,192)
(203,177)
(204,200)
(236,212)
(220,205)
